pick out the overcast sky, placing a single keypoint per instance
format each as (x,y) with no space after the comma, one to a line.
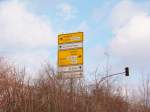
(118,28)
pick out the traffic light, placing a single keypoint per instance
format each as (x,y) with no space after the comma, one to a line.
(126,71)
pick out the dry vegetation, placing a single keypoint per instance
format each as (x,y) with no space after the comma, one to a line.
(49,94)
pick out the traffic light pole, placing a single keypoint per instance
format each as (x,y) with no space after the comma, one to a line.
(106,77)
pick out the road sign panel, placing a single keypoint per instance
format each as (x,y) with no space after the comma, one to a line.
(70,57)
(70,46)
(70,75)
(70,68)
(70,37)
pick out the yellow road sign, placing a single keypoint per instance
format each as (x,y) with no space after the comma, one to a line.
(70,38)
(70,57)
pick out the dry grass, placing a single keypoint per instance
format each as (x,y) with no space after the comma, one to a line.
(49,94)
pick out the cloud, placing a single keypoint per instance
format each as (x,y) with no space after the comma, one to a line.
(20,29)
(131,24)
(23,33)
(66,11)
(32,61)
(123,12)
(100,13)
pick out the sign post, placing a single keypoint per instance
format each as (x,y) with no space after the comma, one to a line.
(70,58)
(70,55)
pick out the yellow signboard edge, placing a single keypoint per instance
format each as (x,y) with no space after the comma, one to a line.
(69,34)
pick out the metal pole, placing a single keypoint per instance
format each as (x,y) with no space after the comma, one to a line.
(71,86)
(105,78)
(71,92)
(107,66)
